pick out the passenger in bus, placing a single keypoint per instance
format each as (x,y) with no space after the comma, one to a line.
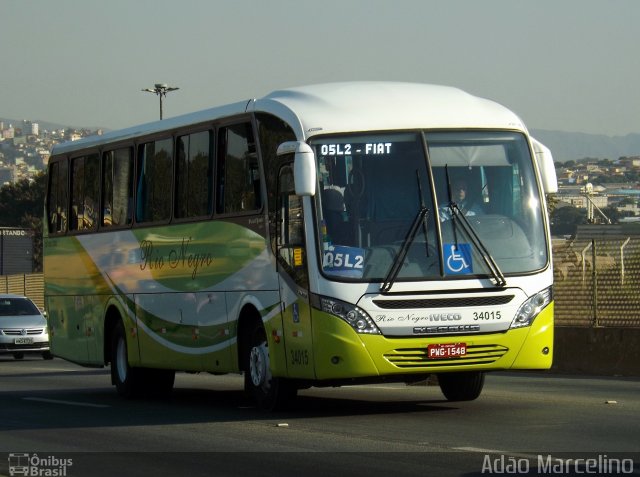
(334,213)
(462,198)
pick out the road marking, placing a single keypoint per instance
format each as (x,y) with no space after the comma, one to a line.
(480,450)
(496,452)
(56,370)
(68,403)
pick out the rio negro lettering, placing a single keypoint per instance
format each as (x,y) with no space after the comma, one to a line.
(419,318)
(153,257)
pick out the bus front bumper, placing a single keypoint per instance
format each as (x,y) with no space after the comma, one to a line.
(341,353)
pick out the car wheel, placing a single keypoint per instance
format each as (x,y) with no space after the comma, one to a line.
(47,355)
(18,355)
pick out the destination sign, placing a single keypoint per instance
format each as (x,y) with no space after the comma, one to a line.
(349,149)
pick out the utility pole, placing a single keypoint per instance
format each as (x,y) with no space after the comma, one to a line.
(161,90)
(591,205)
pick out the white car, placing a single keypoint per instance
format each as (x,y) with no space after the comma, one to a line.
(23,328)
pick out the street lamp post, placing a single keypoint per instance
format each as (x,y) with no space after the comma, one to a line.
(161,90)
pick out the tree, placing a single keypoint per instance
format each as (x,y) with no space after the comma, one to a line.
(552,203)
(612,213)
(22,205)
(565,220)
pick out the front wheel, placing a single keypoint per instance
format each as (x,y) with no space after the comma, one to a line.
(267,391)
(461,386)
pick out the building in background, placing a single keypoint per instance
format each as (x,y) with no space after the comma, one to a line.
(16,251)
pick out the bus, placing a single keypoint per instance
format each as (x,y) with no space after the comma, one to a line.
(325,235)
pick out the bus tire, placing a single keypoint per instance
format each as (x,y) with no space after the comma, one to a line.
(465,386)
(268,392)
(128,380)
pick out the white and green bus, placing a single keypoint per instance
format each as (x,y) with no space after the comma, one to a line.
(324,235)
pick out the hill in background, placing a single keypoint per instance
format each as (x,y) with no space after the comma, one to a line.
(567,146)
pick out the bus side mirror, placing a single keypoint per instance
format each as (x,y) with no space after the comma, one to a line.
(547,168)
(304,166)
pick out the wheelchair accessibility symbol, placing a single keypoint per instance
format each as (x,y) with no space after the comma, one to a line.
(457,259)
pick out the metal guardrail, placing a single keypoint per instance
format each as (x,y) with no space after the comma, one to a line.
(597,282)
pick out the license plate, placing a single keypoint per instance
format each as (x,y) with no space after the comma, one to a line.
(448,350)
(23,341)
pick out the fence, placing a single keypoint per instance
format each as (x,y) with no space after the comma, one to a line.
(596,282)
(31,285)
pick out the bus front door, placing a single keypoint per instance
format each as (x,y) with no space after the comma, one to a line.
(294,279)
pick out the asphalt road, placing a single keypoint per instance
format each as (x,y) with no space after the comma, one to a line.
(55,411)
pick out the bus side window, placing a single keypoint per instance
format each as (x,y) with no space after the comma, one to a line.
(117,187)
(238,174)
(85,171)
(57,197)
(193,175)
(155,174)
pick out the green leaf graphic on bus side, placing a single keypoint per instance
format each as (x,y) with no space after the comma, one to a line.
(194,257)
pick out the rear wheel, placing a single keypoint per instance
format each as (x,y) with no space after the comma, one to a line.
(18,355)
(126,379)
(47,355)
(461,386)
(267,391)
(131,381)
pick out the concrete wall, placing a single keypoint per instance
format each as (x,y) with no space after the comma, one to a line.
(597,351)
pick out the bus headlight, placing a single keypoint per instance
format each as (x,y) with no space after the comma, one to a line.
(358,319)
(531,308)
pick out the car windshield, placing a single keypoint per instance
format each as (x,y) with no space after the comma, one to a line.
(428,205)
(17,306)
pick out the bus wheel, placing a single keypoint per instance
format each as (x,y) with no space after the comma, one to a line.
(126,378)
(461,386)
(268,392)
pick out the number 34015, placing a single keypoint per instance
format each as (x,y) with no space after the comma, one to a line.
(487,315)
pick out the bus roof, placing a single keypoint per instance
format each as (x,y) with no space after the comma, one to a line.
(378,106)
(342,107)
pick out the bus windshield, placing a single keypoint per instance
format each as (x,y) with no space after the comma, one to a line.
(429,205)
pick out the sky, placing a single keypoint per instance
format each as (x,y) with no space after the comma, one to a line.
(568,65)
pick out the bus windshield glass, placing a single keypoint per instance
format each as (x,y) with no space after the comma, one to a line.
(396,200)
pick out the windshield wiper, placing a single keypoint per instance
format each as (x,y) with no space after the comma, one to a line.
(402,254)
(457,214)
(420,219)
(493,267)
